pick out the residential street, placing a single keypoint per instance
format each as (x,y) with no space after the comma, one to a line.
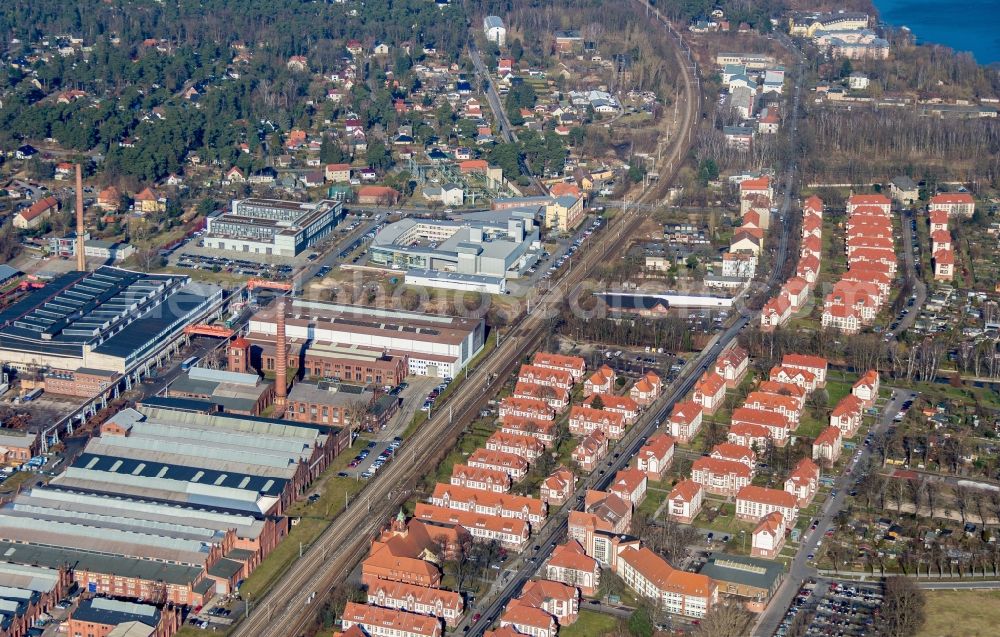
(801,567)
(919,287)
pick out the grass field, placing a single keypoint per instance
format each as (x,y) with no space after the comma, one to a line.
(589,624)
(961,614)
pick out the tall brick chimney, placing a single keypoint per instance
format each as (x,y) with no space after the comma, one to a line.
(81,259)
(280,361)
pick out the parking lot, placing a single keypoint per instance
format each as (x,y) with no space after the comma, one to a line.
(830,607)
(242,267)
(370,459)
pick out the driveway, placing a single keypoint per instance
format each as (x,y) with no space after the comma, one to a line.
(801,568)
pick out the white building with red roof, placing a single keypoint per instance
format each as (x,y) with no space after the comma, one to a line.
(685,421)
(827,445)
(591,450)
(732,365)
(562,601)
(768,537)
(749,435)
(655,456)
(938,220)
(558,487)
(528,620)
(753,503)
(775,313)
(817,365)
(629,485)
(736,453)
(878,201)
(513,465)
(571,565)
(866,388)
(721,477)
(600,382)
(447,605)
(528,447)
(776,424)
(532,408)
(954,203)
(846,415)
(944,265)
(585,420)
(709,392)
(675,591)
(575,365)
(803,481)
(684,501)
(787,406)
(388,622)
(561,378)
(783,374)
(463,475)
(624,405)
(646,390)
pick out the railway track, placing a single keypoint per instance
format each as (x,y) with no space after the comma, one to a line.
(292,603)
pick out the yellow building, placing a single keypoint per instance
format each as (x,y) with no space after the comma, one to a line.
(564,213)
(150,202)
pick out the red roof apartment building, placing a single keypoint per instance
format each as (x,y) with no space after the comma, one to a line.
(481,478)
(710,391)
(561,378)
(387,622)
(753,503)
(684,501)
(721,477)
(591,450)
(504,505)
(571,565)
(509,532)
(655,456)
(558,487)
(749,435)
(675,591)
(685,421)
(585,420)
(437,602)
(776,424)
(512,464)
(846,415)
(959,204)
(575,365)
(803,481)
(528,447)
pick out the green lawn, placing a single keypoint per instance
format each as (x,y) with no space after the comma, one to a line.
(961,614)
(589,624)
(724,522)
(655,495)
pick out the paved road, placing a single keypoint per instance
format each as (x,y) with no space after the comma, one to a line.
(506,130)
(801,567)
(909,262)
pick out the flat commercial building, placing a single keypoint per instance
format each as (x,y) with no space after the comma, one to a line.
(456,281)
(753,580)
(272,226)
(108,319)
(492,244)
(434,345)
